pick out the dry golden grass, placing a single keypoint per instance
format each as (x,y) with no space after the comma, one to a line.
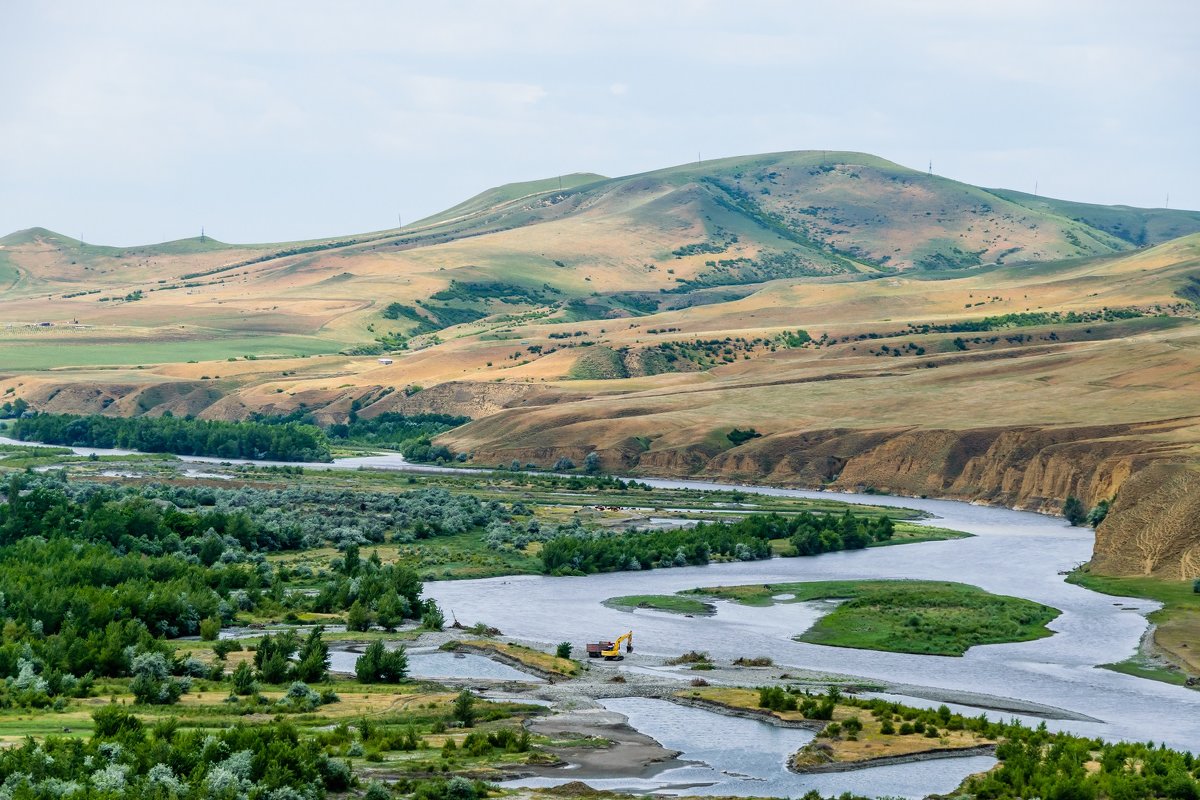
(538,660)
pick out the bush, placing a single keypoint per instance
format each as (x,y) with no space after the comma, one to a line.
(776,699)
(690,657)
(757,661)
(210,629)
(300,697)
(223,647)
(1074,511)
(152,682)
(563,650)
(376,791)
(738,437)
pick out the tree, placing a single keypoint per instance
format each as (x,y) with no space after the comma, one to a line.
(564,464)
(378,665)
(591,463)
(273,657)
(391,610)
(433,618)
(351,561)
(313,663)
(464,708)
(1074,510)
(358,618)
(243,679)
(563,650)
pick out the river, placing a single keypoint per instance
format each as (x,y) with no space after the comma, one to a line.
(1012,552)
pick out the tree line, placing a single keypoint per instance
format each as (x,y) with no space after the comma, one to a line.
(289,441)
(582,552)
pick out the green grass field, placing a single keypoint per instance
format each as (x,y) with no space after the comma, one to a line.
(61,352)
(923,617)
(673,604)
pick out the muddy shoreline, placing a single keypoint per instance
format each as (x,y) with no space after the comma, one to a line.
(883,761)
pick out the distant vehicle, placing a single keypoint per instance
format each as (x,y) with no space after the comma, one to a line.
(611,651)
(386,361)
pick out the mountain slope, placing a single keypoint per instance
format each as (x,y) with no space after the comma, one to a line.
(878,326)
(1138,226)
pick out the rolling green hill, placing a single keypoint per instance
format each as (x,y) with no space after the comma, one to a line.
(1138,226)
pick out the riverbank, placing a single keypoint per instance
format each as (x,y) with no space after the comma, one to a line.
(1170,649)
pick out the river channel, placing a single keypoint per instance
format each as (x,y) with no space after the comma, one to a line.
(1011,552)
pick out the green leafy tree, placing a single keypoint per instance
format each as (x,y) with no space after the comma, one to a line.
(391,610)
(379,665)
(1074,510)
(464,708)
(563,650)
(433,618)
(351,562)
(358,618)
(312,663)
(243,679)
(273,657)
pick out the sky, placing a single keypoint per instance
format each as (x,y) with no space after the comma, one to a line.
(136,122)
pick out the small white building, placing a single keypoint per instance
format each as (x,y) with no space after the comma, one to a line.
(386,361)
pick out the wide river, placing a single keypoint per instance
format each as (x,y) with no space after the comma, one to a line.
(1012,552)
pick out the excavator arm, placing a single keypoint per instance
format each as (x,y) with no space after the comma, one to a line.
(614,653)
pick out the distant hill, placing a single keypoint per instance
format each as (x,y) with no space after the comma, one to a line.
(879,327)
(1138,226)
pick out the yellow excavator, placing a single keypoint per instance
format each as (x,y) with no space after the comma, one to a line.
(611,651)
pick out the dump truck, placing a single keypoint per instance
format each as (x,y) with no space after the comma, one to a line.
(611,651)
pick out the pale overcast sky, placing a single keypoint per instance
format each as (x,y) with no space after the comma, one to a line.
(134,122)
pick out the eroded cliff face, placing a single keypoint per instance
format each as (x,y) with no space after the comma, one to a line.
(1154,526)
(1151,470)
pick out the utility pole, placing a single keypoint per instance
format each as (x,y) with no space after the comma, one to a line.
(201,234)
(931,167)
